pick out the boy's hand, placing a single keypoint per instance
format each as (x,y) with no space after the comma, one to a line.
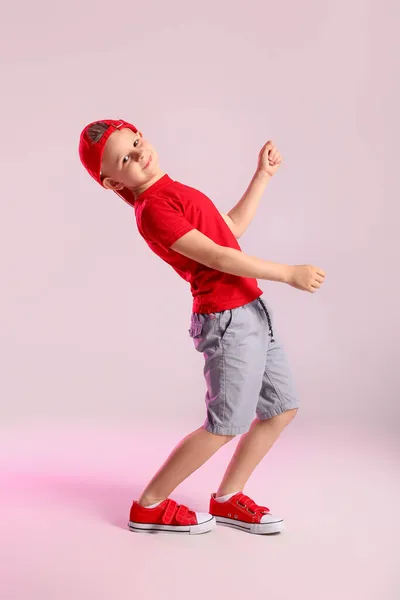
(269,159)
(306,278)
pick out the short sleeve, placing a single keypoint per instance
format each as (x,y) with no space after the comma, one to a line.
(162,222)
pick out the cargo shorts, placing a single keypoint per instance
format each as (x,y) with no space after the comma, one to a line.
(246,369)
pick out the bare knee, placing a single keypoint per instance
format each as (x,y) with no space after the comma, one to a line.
(290,414)
(222,438)
(285,417)
(227,438)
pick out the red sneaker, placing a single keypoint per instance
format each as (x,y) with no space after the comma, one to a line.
(242,512)
(169,516)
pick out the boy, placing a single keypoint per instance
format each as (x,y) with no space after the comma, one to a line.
(249,387)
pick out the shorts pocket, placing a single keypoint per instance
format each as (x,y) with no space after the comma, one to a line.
(203,332)
(195,329)
(224,322)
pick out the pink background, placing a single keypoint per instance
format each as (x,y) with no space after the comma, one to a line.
(99,376)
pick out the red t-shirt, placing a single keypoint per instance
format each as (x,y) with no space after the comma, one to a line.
(164,213)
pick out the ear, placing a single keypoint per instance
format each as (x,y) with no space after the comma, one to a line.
(111,184)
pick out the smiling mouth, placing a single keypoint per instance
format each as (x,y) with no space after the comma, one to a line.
(148,162)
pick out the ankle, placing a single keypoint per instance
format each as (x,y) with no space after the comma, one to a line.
(227,492)
(146,501)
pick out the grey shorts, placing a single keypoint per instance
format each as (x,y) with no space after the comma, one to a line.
(246,369)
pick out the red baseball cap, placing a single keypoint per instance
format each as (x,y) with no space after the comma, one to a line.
(91,153)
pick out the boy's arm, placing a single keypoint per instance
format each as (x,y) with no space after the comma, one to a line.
(197,246)
(243,213)
(230,224)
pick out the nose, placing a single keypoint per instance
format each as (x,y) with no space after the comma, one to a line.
(138,154)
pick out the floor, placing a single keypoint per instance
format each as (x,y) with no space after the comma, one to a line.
(66,494)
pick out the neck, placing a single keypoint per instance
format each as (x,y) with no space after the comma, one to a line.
(144,187)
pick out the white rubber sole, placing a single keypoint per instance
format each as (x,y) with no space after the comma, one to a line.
(257,528)
(188,529)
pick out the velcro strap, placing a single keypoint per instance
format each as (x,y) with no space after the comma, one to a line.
(181,514)
(169,512)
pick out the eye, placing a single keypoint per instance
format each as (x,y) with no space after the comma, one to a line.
(126,158)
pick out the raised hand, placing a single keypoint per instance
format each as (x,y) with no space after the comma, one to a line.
(269,159)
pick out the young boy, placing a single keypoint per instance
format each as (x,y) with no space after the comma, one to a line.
(249,386)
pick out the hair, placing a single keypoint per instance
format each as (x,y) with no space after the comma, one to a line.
(96,131)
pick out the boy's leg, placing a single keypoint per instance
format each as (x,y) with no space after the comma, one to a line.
(276,407)
(190,454)
(232,369)
(251,449)
(196,448)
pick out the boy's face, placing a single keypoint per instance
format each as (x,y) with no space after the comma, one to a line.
(129,161)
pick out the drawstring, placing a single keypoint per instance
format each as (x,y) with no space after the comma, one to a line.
(271,333)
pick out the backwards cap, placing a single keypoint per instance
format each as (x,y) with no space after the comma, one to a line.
(91,153)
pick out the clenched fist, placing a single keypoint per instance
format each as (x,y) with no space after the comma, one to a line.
(269,159)
(306,278)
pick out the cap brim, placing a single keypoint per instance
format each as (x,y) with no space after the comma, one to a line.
(126,195)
